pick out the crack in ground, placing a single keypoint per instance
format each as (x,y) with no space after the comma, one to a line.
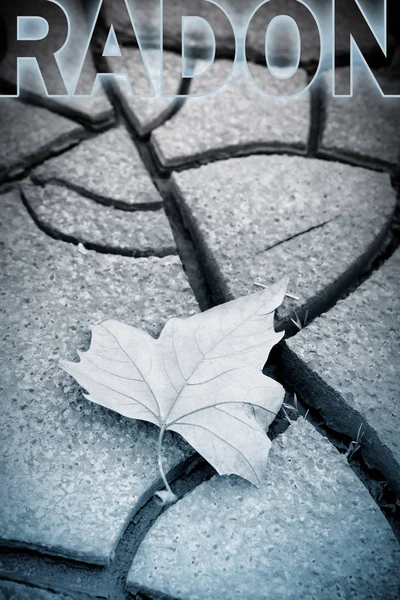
(38,159)
(317,117)
(166,115)
(183,240)
(226,153)
(296,235)
(110,583)
(379,252)
(184,243)
(102,200)
(320,304)
(23,167)
(113,577)
(319,103)
(196,473)
(385,245)
(371,478)
(298,386)
(55,234)
(355,160)
(187,252)
(341,288)
(9,187)
(116,97)
(69,591)
(46,102)
(197,161)
(81,580)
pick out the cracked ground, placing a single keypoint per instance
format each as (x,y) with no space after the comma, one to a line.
(119,207)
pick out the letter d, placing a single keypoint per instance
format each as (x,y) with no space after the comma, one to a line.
(189,25)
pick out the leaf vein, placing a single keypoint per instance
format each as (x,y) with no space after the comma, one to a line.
(131,361)
(227,443)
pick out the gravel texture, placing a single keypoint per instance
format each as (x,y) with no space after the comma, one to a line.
(16,591)
(310,531)
(348,360)
(72,473)
(107,167)
(258,219)
(145,114)
(236,117)
(363,126)
(29,135)
(63,212)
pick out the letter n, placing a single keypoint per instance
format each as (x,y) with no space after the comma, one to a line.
(359,34)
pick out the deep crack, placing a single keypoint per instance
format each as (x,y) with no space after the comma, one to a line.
(109,582)
(102,200)
(101,249)
(83,581)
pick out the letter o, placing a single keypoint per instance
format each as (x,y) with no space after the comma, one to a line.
(269,83)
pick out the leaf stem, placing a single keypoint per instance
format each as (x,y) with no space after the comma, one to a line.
(160,466)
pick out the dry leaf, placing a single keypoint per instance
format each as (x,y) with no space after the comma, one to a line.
(202,379)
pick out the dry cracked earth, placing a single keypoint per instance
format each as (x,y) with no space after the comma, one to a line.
(142,209)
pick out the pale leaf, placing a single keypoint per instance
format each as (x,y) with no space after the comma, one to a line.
(202,379)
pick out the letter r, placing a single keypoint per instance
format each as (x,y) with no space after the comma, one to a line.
(43,50)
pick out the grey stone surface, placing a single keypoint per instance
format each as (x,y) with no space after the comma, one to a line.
(95,111)
(146,114)
(366,125)
(72,473)
(310,531)
(107,167)
(236,116)
(64,212)
(17,591)
(353,353)
(261,218)
(29,134)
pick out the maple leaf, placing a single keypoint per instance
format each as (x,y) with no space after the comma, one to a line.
(202,378)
